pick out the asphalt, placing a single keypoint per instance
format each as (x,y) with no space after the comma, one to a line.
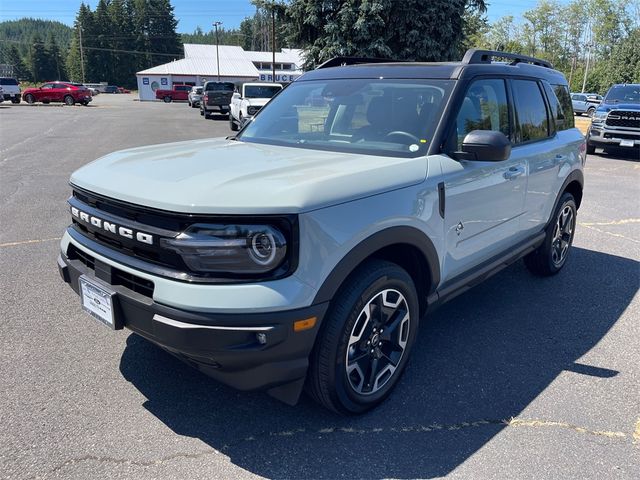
(520,377)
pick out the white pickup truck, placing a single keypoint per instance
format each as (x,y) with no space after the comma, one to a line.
(245,105)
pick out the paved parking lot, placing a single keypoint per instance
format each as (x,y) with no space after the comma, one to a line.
(518,378)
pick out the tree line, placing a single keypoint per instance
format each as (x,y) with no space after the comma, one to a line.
(602,36)
(121,37)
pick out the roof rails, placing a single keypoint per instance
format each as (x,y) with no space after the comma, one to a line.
(342,61)
(474,56)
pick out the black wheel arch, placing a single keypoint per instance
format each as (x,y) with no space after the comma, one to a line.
(574,184)
(406,246)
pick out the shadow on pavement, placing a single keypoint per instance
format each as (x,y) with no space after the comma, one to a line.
(612,153)
(478,360)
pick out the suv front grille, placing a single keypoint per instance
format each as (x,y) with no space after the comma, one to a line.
(118,277)
(623,118)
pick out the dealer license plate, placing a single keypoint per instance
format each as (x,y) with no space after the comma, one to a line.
(626,143)
(97,301)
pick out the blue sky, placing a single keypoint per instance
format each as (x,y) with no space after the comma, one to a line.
(192,13)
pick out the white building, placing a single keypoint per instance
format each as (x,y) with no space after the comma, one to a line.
(236,65)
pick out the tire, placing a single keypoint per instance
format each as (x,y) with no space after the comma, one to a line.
(341,384)
(201,112)
(167,99)
(84,103)
(591,149)
(232,124)
(15,100)
(68,100)
(189,103)
(30,99)
(549,258)
(590,112)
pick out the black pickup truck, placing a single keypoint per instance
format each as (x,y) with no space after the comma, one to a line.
(216,97)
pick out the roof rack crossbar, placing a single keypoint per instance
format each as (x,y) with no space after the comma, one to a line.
(342,61)
(484,56)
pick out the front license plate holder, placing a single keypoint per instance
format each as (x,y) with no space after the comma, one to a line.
(99,301)
(626,143)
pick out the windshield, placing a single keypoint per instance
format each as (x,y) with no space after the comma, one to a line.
(198,90)
(377,117)
(261,91)
(624,93)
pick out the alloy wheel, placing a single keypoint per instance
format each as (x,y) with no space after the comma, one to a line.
(562,235)
(377,342)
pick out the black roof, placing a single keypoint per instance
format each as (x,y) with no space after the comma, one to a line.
(475,62)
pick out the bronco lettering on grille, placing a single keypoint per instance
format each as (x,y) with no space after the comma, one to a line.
(112,227)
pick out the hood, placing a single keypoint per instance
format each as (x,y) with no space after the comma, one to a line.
(219,176)
(257,102)
(606,107)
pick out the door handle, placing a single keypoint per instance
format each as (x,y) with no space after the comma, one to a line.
(513,172)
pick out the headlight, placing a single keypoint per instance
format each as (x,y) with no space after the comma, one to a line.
(252,110)
(599,116)
(230,249)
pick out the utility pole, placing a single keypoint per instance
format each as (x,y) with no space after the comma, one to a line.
(81,53)
(273,39)
(215,24)
(586,69)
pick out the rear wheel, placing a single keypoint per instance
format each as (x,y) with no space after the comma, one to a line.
(68,100)
(365,340)
(167,99)
(591,111)
(30,99)
(549,258)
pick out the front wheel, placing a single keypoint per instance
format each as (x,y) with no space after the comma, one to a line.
(549,258)
(590,112)
(365,340)
(591,149)
(232,124)
(167,99)
(15,100)
(68,100)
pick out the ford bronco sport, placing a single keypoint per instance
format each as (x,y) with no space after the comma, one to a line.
(305,250)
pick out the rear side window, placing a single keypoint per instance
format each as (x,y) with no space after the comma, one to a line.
(484,107)
(8,81)
(531,111)
(564,97)
(558,113)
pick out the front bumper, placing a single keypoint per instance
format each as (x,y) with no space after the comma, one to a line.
(225,346)
(603,136)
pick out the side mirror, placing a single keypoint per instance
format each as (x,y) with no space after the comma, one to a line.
(484,146)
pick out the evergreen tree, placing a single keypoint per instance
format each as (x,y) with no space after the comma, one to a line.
(37,60)
(407,30)
(13,58)
(54,65)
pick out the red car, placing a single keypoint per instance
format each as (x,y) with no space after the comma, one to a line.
(69,93)
(123,90)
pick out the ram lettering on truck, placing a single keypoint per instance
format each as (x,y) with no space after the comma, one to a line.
(248,102)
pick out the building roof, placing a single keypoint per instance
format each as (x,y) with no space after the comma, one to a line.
(234,61)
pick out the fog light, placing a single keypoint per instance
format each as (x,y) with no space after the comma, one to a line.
(261,338)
